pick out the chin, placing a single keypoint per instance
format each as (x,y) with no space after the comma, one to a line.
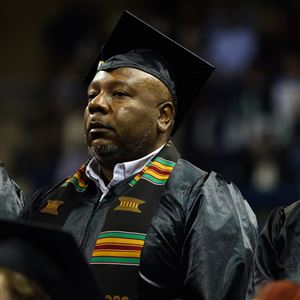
(105,151)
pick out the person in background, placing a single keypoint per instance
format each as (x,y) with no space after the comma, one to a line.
(277,254)
(33,268)
(16,286)
(279,290)
(11,196)
(152,225)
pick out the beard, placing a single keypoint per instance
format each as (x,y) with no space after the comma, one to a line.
(105,152)
(118,153)
(113,154)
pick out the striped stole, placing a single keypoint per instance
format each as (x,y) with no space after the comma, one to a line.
(118,247)
(79,180)
(116,256)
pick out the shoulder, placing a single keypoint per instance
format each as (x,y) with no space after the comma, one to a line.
(280,230)
(291,213)
(205,184)
(271,231)
(280,219)
(277,250)
(187,171)
(283,225)
(184,182)
(210,193)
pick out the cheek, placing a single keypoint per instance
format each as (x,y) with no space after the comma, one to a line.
(85,118)
(138,117)
(138,126)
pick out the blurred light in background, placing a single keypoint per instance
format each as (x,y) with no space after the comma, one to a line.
(245,126)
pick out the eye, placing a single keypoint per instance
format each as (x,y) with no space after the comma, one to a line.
(120,94)
(91,96)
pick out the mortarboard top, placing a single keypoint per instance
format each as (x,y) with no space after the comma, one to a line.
(189,71)
(49,257)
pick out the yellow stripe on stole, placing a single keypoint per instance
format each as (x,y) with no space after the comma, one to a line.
(117,253)
(156,175)
(162,167)
(119,241)
(80,181)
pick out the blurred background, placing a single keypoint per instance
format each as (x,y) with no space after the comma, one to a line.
(246,124)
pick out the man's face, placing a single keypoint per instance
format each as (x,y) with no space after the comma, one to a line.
(121,118)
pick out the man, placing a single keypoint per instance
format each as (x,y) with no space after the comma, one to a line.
(153,225)
(277,255)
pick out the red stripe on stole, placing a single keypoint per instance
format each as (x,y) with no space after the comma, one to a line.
(118,247)
(158,170)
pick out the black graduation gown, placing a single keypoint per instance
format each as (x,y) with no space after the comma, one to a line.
(200,244)
(278,248)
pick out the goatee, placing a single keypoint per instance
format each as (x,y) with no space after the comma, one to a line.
(105,152)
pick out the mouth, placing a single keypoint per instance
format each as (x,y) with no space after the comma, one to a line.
(96,125)
(98,129)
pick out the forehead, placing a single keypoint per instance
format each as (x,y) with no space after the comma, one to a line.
(125,75)
(132,78)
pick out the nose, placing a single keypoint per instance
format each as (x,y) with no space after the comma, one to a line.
(100,103)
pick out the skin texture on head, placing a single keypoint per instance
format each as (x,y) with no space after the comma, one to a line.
(129,114)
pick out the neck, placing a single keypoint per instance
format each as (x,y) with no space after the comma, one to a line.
(107,173)
(107,166)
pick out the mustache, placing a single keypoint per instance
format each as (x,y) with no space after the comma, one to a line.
(97,124)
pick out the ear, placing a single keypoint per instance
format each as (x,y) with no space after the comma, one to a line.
(166,116)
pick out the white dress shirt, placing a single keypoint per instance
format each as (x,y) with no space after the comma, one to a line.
(121,171)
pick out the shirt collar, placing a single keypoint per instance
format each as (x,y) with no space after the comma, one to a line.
(121,170)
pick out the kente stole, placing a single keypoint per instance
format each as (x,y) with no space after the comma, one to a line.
(118,249)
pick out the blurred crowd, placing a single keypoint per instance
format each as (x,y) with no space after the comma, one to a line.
(245,126)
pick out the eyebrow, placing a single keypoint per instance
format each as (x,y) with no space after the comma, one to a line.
(119,83)
(94,84)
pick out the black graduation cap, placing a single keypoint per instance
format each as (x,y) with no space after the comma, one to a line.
(49,257)
(188,70)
